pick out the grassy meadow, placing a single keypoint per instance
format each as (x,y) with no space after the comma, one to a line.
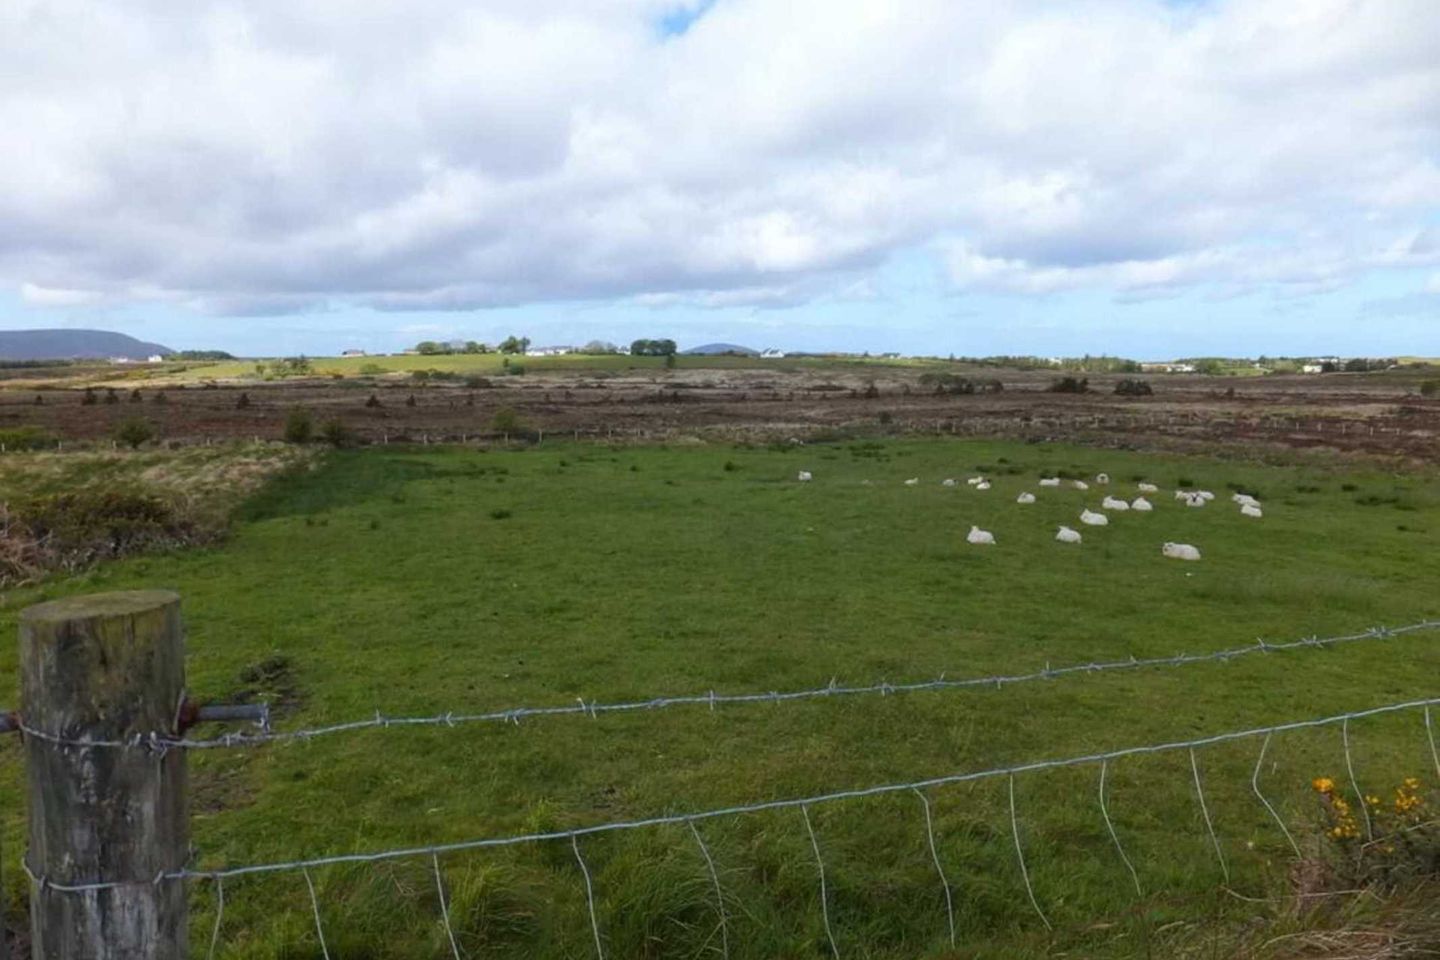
(421,581)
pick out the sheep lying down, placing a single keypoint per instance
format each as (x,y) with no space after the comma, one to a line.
(1066,535)
(1113,503)
(1025,498)
(976,535)
(1180,551)
(1093,519)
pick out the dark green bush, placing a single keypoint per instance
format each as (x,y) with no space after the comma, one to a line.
(1069,385)
(299,426)
(26,438)
(1133,388)
(134,431)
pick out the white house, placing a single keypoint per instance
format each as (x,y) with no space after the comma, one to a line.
(1311,368)
(549,351)
(772,354)
(154,358)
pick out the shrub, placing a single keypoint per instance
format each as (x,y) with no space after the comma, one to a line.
(39,400)
(478,383)
(1133,388)
(160,398)
(88,399)
(26,438)
(133,431)
(337,434)
(299,426)
(410,400)
(111,396)
(243,401)
(886,417)
(506,420)
(372,370)
(515,369)
(73,529)
(1430,388)
(1070,385)
(373,402)
(135,395)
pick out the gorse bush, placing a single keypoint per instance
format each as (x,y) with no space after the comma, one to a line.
(26,438)
(299,426)
(134,431)
(506,420)
(1069,385)
(1133,388)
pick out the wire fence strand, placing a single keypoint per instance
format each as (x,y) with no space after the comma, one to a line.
(1255,785)
(765,805)
(939,868)
(589,897)
(1355,783)
(824,895)
(1020,856)
(1205,812)
(1110,825)
(711,699)
(719,893)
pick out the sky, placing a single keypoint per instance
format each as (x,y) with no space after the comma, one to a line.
(1150,178)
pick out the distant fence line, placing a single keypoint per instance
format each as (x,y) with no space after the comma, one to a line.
(157,741)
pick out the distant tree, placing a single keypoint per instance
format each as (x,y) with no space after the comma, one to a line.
(430,348)
(242,401)
(513,344)
(506,420)
(599,348)
(133,431)
(652,348)
(135,396)
(88,399)
(299,426)
(199,355)
(373,402)
(337,434)
(410,400)
(1329,366)
(473,346)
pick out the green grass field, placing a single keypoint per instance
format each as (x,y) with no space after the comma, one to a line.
(449,579)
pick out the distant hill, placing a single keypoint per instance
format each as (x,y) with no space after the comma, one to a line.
(721,349)
(74,345)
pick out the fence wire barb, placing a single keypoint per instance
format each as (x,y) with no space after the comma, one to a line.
(768,805)
(160,743)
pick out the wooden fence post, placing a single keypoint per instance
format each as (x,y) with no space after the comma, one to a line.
(106,667)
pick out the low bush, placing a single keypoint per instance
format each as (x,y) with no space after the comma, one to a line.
(26,438)
(134,431)
(299,426)
(1069,385)
(1133,388)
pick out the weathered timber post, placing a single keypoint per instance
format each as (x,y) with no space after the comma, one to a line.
(106,667)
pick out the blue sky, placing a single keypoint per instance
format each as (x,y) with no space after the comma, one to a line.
(1139,177)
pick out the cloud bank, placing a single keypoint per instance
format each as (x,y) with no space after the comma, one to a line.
(240,158)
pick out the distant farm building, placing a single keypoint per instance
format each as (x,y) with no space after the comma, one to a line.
(549,351)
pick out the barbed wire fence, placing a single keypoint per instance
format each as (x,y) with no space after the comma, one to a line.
(157,749)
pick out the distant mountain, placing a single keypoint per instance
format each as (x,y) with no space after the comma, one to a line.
(74,345)
(720,349)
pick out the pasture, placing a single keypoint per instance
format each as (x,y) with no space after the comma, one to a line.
(422,581)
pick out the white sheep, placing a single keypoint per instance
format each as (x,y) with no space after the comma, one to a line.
(1180,551)
(1244,498)
(1066,535)
(804,476)
(983,485)
(1141,504)
(912,481)
(1025,498)
(1205,495)
(1049,481)
(1194,500)
(975,480)
(948,482)
(1093,519)
(1102,478)
(1251,510)
(978,536)
(1081,485)
(1114,503)
(1147,487)
(1182,494)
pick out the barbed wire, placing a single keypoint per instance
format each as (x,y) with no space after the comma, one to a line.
(758,807)
(160,743)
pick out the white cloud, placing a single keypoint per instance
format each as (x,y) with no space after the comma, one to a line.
(439,154)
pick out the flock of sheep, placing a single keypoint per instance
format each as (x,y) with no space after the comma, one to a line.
(1249,507)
